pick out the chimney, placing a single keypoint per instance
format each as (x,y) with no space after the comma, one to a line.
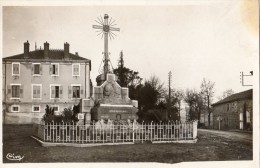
(76,53)
(66,50)
(26,49)
(46,50)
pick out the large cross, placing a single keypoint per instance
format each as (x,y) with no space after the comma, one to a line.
(106,29)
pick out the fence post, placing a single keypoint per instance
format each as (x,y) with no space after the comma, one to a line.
(195,123)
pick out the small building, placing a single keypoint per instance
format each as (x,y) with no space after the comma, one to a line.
(34,79)
(234,112)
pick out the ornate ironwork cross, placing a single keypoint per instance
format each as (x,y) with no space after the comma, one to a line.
(105,28)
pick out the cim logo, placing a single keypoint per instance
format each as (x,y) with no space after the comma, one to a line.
(12,156)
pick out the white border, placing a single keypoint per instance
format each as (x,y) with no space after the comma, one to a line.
(58,69)
(36,106)
(13,68)
(40,91)
(73,69)
(39,69)
(50,91)
(15,106)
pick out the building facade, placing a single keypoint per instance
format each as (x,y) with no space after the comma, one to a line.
(234,112)
(34,79)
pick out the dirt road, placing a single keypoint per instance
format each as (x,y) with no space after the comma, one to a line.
(231,135)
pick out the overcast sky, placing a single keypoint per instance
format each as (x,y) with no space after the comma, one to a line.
(211,40)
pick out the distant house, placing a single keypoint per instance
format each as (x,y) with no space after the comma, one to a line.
(234,112)
(34,79)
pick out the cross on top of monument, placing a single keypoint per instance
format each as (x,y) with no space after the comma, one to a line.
(105,28)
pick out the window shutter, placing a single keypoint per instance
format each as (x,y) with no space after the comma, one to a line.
(34,92)
(56,70)
(21,91)
(69,93)
(50,69)
(9,91)
(81,92)
(40,69)
(61,91)
(38,93)
(52,91)
(32,69)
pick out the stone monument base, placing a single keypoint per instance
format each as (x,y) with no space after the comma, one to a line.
(114,112)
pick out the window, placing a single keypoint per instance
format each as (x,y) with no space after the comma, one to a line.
(15,69)
(35,108)
(15,108)
(75,69)
(75,91)
(54,69)
(227,107)
(56,91)
(36,91)
(36,69)
(56,108)
(16,91)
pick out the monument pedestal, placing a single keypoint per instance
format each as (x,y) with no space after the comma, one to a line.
(113,102)
(117,112)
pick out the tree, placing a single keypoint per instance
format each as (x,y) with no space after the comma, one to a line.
(190,99)
(226,93)
(149,95)
(177,97)
(207,92)
(126,76)
(195,101)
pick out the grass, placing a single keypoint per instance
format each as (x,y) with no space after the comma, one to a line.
(17,140)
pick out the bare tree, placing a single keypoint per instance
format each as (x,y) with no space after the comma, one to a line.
(226,93)
(207,92)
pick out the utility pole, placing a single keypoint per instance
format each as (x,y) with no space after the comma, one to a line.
(170,81)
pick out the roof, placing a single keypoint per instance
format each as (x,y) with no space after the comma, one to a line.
(248,94)
(53,55)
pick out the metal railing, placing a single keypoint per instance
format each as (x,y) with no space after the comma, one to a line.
(111,133)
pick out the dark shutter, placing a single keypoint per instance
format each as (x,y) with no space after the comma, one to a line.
(56,69)
(61,91)
(32,69)
(50,69)
(40,69)
(81,92)
(21,91)
(52,91)
(9,91)
(69,92)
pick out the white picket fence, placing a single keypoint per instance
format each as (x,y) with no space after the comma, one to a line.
(111,133)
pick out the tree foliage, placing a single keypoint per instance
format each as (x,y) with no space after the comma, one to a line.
(126,76)
(226,93)
(68,115)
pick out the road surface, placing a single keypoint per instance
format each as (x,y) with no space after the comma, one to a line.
(231,135)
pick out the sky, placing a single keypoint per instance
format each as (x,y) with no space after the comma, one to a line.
(214,40)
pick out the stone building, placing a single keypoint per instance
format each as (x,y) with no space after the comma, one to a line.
(234,112)
(34,79)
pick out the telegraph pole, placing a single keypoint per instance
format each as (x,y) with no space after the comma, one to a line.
(170,81)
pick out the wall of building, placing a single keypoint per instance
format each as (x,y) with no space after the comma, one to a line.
(26,79)
(230,119)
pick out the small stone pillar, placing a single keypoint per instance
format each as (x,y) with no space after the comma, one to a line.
(85,108)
